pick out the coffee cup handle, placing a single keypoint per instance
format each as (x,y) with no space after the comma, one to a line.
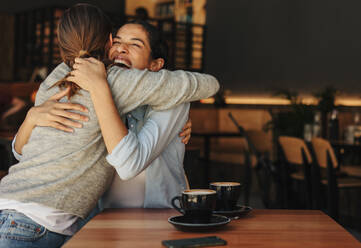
(175,206)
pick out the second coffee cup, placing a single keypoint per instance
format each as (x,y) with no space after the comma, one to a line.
(196,204)
(228,194)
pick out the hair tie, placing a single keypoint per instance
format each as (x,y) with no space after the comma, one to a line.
(83,53)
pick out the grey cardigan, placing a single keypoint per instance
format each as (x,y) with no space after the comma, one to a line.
(68,171)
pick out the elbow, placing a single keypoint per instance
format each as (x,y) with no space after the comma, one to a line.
(216,85)
(129,170)
(211,86)
(125,176)
(125,173)
(130,160)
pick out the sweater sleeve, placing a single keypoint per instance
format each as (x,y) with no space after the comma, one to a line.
(161,90)
(41,97)
(16,155)
(132,88)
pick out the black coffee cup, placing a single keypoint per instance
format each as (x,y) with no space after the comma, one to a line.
(197,205)
(228,194)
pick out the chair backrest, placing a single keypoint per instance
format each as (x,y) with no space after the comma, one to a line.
(261,140)
(296,152)
(321,147)
(326,158)
(244,145)
(292,148)
(248,155)
(247,146)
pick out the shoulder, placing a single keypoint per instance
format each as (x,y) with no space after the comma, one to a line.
(116,71)
(57,74)
(45,90)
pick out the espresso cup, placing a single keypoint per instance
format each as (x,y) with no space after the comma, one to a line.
(197,205)
(227,195)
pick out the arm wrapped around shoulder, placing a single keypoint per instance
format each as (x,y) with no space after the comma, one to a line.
(161,90)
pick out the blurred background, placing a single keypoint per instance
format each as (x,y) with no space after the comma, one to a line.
(287,69)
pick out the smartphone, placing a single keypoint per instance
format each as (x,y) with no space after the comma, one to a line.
(194,242)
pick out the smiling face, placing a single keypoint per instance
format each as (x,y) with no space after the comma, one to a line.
(131,48)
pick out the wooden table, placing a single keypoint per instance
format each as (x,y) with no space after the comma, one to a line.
(261,228)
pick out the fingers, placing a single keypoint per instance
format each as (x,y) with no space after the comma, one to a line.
(77,78)
(185,132)
(66,122)
(79,61)
(69,115)
(187,129)
(62,123)
(71,106)
(62,110)
(188,125)
(186,139)
(75,66)
(60,95)
(71,78)
(84,65)
(79,65)
(61,127)
(93,60)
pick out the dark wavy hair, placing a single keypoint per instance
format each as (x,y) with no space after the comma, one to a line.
(158,46)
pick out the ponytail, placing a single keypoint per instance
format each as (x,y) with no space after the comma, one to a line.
(64,83)
(83,32)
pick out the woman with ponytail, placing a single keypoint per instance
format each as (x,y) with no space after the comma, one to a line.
(61,175)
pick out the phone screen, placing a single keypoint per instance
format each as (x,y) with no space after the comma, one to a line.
(194,242)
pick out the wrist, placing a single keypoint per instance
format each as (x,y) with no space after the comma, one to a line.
(99,88)
(29,118)
(96,83)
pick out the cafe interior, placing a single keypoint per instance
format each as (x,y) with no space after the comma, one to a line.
(285,124)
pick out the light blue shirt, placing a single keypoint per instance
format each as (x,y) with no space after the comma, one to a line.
(153,144)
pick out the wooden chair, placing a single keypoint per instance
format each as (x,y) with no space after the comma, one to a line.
(229,158)
(224,166)
(255,158)
(249,161)
(234,162)
(296,161)
(268,176)
(333,181)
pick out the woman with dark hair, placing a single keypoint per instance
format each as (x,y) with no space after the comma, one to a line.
(137,44)
(61,175)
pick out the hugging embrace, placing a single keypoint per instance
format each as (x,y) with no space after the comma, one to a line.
(76,153)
